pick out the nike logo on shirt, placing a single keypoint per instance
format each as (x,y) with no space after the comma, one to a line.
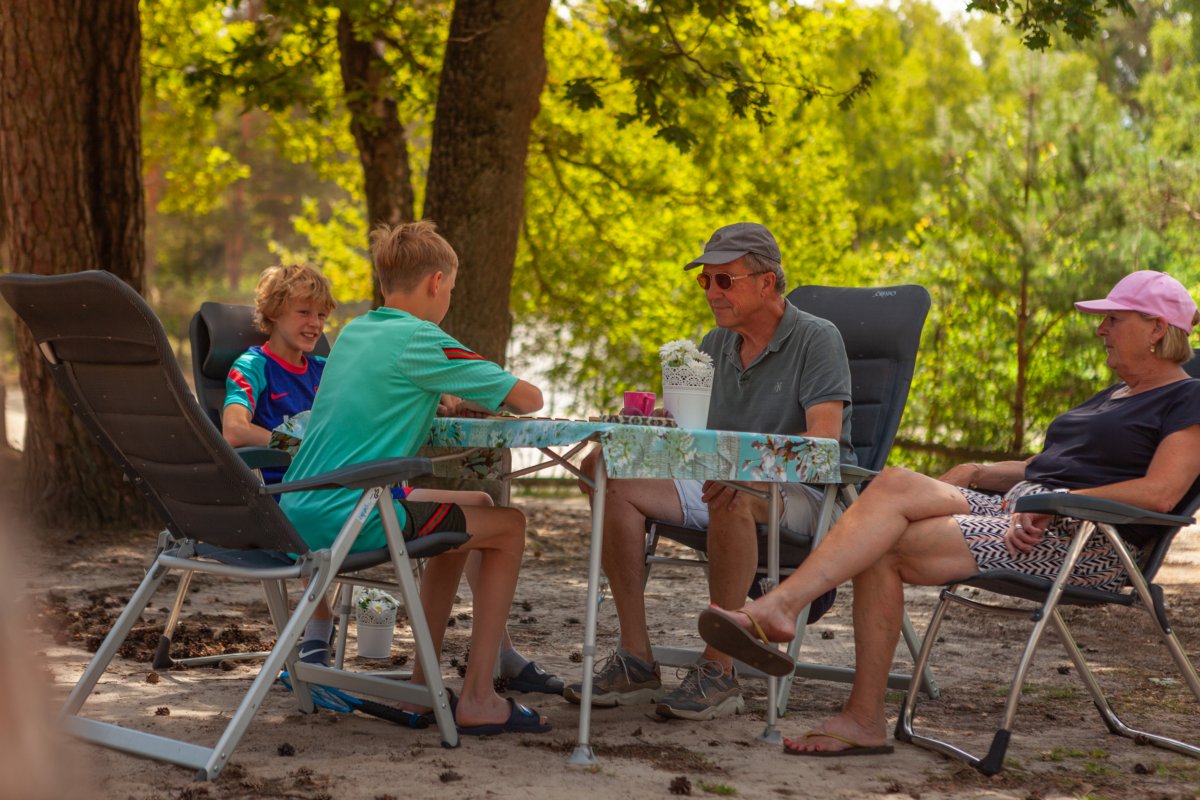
(276,396)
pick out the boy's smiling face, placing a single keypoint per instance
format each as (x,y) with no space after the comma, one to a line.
(298,328)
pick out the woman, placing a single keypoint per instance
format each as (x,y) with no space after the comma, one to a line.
(1136,442)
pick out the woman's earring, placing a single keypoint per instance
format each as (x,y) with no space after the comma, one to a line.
(1153,349)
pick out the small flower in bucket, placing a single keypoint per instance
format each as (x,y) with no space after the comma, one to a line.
(374,606)
(687,375)
(683,353)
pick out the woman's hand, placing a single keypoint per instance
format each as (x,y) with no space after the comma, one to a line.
(1025,531)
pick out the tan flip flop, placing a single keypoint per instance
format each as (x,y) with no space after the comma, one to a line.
(751,648)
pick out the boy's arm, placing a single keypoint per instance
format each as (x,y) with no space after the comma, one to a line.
(239,431)
(524,398)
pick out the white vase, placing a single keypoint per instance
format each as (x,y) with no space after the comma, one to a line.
(686,396)
(375,639)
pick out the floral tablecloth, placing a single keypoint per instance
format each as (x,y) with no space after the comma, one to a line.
(644,451)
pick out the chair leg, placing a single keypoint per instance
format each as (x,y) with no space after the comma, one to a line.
(115,638)
(162,654)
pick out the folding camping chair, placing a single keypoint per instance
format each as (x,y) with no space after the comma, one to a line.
(881,328)
(1107,516)
(219,333)
(111,359)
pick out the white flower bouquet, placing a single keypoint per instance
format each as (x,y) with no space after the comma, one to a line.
(685,365)
(374,606)
(687,375)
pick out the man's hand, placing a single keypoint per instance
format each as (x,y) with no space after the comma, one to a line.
(1025,531)
(717,494)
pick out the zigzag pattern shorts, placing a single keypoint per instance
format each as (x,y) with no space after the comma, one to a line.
(984,530)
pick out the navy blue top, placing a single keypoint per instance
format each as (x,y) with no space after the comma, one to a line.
(1112,439)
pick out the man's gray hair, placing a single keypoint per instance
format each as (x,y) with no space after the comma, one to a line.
(758,263)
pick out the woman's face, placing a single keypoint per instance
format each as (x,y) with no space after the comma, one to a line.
(1128,337)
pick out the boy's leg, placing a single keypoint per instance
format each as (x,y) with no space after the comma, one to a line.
(498,534)
(523,673)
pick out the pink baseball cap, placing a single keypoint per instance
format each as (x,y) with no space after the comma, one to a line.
(1149,292)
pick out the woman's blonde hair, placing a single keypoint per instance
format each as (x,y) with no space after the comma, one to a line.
(1175,345)
(280,286)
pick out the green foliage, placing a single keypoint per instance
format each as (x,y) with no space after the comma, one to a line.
(613,212)
(1079,19)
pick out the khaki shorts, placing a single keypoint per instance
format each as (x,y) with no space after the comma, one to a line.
(801,505)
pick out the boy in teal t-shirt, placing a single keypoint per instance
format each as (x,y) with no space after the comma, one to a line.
(385,379)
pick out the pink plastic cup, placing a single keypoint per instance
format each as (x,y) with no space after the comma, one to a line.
(642,401)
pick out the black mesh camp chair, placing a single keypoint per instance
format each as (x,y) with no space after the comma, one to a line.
(881,328)
(111,359)
(219,333)
(1049,596)
(1193,367)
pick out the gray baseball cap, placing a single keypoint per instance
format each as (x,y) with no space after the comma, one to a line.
(736,240)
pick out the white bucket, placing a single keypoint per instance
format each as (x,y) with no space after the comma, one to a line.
(688,405)
(375,640)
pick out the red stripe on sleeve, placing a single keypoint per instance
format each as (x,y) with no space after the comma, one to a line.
(461,353)
(239,379)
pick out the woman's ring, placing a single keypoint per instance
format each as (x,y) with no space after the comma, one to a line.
(1019,526)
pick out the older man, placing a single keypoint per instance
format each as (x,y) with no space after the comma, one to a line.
(778,370)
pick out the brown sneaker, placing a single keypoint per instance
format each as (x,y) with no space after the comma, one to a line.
(621,679)
(706,693)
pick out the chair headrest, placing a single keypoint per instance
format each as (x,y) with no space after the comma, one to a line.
(231,332)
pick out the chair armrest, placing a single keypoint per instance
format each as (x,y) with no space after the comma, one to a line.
(263,457)
(1096,509)
(367,475)
(852,473)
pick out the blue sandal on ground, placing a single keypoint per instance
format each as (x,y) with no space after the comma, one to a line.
(535,679)
(521,719)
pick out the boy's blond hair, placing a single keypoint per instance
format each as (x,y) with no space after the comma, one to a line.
(405,254)
(280,286)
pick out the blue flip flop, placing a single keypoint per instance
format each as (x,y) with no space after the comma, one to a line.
(535,679)
(521,719)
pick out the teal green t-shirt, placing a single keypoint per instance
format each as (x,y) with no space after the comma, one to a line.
(379,394)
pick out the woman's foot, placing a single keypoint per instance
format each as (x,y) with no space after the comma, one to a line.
(497,715)
(841,735)
(749,638)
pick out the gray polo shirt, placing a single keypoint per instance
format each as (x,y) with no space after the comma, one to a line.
(804,364)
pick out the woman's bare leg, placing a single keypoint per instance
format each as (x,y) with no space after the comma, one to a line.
(899,531)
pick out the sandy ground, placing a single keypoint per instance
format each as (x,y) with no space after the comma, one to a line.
(74,581)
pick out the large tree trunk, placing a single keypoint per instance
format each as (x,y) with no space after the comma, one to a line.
(375,124)
(70,133)
(491,80)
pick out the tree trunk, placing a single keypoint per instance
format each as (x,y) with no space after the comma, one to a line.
(70,87)
(491,80)
(375,124)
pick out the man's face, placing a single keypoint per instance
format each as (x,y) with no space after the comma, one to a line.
(746,296)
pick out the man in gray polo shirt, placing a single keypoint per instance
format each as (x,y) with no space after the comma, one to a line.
(778,370)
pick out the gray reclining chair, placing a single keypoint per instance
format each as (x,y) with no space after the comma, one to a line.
(881,328)
(219,333)
(1108,516)
(111,359)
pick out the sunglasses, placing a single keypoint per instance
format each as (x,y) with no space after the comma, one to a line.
(723,280)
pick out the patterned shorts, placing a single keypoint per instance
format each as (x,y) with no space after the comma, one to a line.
(984,529)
